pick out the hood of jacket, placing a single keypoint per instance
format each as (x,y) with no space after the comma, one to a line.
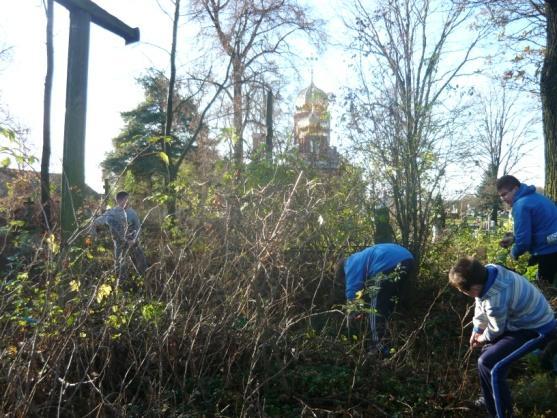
(524,190)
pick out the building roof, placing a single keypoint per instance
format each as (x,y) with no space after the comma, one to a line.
(7,175)
(311,96)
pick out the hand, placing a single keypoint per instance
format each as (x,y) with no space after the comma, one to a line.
(355,316)
(476,340)
(507,240)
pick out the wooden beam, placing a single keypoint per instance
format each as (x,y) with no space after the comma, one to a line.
(73,164)
(102,18)
(82,13)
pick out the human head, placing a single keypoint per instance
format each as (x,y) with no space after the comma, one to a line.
(507,187)
(122,198)
(339,271)
(468,275)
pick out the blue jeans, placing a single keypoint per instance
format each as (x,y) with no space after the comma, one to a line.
(494,362)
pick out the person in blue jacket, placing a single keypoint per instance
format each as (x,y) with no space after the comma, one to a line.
(382,268)
(535,219)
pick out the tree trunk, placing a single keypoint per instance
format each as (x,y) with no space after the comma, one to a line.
(45,157)
(171,202)
(238,116)
(269,126)
(493,216)
(495,200)
(170,172)
(548,87)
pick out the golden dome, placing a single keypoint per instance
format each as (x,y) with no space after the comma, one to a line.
(312,96)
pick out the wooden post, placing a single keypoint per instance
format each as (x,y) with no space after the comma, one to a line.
(73,165)
(82,13)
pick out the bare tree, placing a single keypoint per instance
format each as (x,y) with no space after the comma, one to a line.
(548,88)
(521,33)
(538,26)
(399,118)
(170,103)
(503,137)
(45,158)
(176,103)
(250,33)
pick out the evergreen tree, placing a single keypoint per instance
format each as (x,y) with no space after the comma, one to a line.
(141,147)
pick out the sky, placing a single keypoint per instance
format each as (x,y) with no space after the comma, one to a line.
(114,68)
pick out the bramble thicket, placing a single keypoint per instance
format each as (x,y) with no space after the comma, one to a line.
(239,313)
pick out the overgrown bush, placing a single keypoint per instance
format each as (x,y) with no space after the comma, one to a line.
(238,315)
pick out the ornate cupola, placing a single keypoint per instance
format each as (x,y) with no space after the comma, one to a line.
(312,131)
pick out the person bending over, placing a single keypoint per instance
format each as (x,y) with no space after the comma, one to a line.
(383,269)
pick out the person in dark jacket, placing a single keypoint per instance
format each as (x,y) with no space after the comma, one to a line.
(535,221)
(382,269)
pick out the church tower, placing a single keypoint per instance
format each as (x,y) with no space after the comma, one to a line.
(312,128)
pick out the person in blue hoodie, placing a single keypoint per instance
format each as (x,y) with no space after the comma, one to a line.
(511,319)
(383,269)
(535,219)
